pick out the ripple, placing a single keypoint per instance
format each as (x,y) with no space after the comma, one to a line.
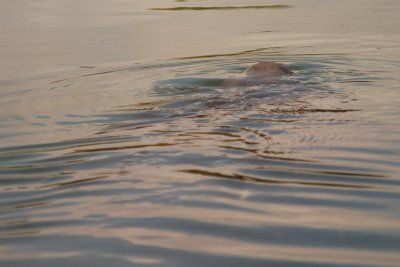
(163,167)
(200,8)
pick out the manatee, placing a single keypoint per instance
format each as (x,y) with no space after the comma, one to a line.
(244,91)
(259,74)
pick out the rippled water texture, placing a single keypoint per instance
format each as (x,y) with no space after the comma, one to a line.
(154,163)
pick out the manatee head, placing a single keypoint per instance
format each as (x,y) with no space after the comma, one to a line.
(265,69)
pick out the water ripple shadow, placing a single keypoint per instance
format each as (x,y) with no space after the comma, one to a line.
(248,178)
(201,8)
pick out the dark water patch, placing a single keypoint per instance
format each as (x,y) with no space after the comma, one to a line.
(46,147)
(249,178)
(201,8)
(271,50)
(13,181)
(183,86)
(304,110)
(266,31)
(356,81)
(74,182)
(121,148)
(343,178)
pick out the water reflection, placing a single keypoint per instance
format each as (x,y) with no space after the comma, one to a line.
(178,170)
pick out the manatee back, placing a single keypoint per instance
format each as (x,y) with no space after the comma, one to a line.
(267,69)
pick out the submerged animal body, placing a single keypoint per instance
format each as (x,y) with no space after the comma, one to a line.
(245,92)
(259,74)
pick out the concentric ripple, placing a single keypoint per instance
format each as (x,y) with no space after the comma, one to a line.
(157,165)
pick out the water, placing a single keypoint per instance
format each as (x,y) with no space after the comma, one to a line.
(130,153)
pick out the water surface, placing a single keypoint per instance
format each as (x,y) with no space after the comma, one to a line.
(130,153)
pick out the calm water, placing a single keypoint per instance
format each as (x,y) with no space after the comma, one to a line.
(118,146)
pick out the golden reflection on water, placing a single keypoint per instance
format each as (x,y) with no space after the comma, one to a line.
(119,146)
